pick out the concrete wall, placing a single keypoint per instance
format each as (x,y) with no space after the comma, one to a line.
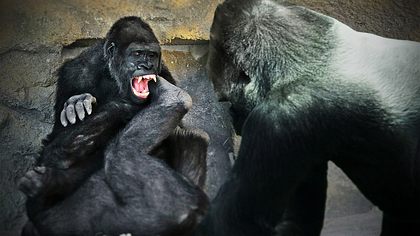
(37,36)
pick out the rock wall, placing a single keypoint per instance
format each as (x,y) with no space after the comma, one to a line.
(37,36)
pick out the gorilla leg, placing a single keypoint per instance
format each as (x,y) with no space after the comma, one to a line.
(305,210)
(190,152)
(157,121)
(155,190)
(46,186)
(152,199)
(185,151)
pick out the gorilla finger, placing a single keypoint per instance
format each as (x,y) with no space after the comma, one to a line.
(74,99)
(88,104)
(63,118)
(70,114)
(90,98)
(80,111)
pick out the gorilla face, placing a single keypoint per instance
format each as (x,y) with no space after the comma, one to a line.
(229,81)
(134,59)
(143,61)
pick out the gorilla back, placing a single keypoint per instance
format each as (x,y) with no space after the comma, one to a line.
(306,89)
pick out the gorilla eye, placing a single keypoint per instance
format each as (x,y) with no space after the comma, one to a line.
(136,53)
(151,55)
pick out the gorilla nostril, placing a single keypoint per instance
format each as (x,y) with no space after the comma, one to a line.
(144,67)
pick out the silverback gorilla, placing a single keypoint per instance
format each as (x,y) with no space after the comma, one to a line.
(306,89)
(129,167)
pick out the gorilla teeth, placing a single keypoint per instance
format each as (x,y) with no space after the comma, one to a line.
(140,87)
(146,77)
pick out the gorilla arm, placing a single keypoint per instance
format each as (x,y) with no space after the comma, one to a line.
(260,183)
(72,144)
(282,140)
(74,147)
(76,79)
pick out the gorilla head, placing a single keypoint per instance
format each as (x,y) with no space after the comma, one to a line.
(229,80)
(134,57)
(260,49)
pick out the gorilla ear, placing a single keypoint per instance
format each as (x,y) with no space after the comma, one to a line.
(109,49)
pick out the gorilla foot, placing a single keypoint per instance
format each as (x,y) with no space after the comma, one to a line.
(191,159)
(32,184)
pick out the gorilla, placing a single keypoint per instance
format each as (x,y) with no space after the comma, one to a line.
(306,89)
(129,167)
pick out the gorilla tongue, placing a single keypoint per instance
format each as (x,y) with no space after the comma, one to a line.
(140,85)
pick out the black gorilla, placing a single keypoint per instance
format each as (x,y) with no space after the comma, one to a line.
(99,176)
(306,89)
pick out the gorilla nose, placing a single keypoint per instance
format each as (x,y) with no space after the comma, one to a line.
(144,67)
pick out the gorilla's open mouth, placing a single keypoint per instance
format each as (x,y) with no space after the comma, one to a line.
(140,87)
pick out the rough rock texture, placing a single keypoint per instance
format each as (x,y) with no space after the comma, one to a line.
(50,22)
(26,92)
(36,36)
(398,19)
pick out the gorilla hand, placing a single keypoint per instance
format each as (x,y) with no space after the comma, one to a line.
(32,183)
(77,104)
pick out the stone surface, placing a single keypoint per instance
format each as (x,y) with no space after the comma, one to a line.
(36,36)
(389,18)
(26,99)
(28,24)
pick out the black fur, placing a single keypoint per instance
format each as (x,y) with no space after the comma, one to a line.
(98,176)
(302,95)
